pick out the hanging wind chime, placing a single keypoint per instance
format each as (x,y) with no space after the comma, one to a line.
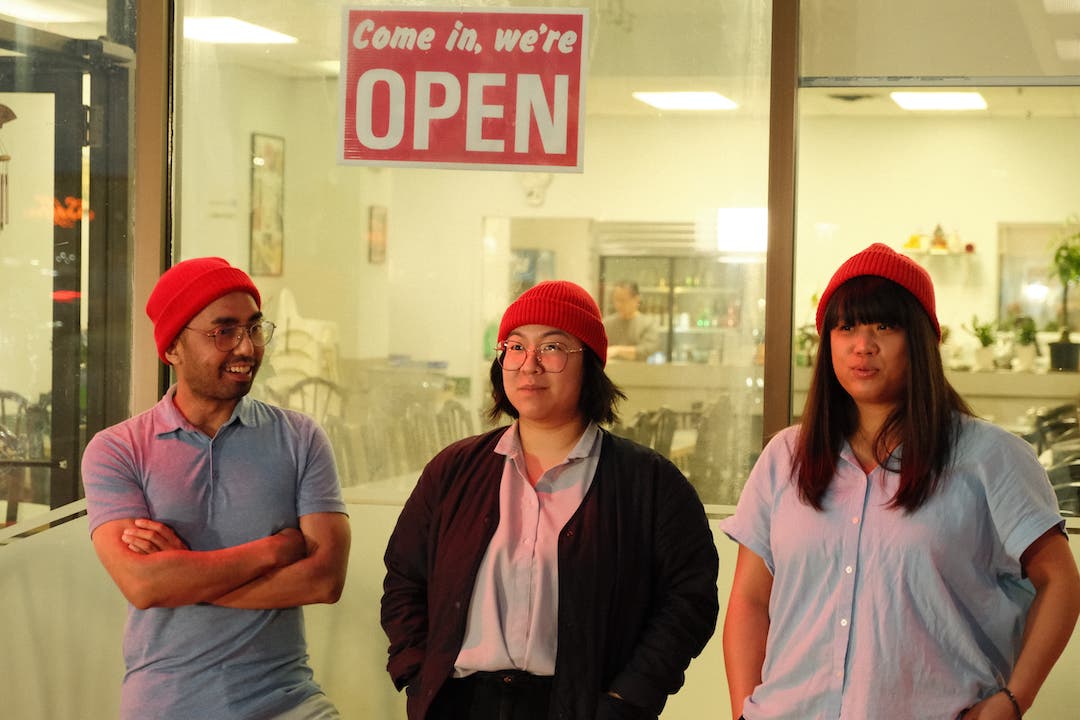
(6,115)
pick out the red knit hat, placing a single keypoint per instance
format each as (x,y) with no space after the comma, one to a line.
(882,261)
(185,289)
(563,305)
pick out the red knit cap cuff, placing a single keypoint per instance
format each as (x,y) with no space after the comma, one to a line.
(881,260)
(561,305)
(185,289)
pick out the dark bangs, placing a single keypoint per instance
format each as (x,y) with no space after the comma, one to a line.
(869,299)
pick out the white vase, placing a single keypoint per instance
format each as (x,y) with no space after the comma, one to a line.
(1025,358)
(984,359)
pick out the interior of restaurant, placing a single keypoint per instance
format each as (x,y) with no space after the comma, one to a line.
(387,283)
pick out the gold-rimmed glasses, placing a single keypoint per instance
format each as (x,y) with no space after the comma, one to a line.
(552,356)
(228,337)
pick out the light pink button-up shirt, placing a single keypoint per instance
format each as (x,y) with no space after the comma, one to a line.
(514,611)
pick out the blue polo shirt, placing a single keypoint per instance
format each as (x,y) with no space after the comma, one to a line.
(876,613)
(265,468)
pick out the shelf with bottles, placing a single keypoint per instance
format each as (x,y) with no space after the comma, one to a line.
(700,302)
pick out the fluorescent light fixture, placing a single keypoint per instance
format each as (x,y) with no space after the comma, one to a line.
(969,100)
(686,100)
(1061,7)
(56,11)
(230,31)
(328,67)
(1068,49)
(742,230)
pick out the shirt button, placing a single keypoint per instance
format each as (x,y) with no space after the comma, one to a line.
(839,674)
(854,521)
(848,569)
(843,622)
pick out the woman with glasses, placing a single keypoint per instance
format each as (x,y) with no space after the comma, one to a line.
(548,569)
(899,558)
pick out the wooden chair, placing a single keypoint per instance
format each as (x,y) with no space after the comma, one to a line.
(452,422)
(710,465)
(325,403)
(421,434)
(664,424)
(14,447)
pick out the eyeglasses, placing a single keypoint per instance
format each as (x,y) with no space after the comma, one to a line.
(228,337)
(551,356)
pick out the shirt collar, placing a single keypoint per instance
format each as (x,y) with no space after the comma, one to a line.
(169,419)
(587,445)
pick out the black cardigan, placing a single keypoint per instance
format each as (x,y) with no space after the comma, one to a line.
(637,579)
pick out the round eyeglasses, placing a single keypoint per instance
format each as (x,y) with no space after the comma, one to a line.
(228,337)
(551,356)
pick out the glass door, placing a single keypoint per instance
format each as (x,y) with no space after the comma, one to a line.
(63,257)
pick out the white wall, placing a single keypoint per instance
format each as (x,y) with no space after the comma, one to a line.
(864,180)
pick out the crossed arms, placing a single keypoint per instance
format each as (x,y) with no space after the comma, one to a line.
(154,568)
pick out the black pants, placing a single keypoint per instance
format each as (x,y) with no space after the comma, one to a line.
(502,695)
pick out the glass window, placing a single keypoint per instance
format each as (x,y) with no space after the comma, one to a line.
(388,283)
(978,196)
(65,79)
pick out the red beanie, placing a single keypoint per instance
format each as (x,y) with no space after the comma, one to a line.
(185,289)
(562,305)
(882,261)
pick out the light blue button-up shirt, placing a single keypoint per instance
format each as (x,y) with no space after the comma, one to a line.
(876,613)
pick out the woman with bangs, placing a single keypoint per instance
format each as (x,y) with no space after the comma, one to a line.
(899,558)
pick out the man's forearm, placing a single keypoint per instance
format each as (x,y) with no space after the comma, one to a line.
(172,578)
(317,578)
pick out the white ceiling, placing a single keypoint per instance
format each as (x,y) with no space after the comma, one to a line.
(723,45)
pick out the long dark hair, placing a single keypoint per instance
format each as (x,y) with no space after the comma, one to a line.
(926,421)
(598,401)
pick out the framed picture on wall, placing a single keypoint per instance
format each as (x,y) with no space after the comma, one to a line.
(377,234)
(267,204)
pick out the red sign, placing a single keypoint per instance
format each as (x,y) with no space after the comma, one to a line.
(483,89)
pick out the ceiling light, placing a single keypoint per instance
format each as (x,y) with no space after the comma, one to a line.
(939,100)
(1068,49)
(328,67)
(56,11)
(685,100)
(742,230)
(229,30)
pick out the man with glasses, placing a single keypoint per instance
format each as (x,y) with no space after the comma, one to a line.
(218,516)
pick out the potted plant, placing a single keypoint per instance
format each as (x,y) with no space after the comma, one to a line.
(1027,347)
(806,343)
(1065,354)
(986,334)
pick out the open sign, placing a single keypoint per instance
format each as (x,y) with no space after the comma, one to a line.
(464,88)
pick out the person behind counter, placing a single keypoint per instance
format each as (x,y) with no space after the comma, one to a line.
(548,568)
(898,557)
(632,334)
